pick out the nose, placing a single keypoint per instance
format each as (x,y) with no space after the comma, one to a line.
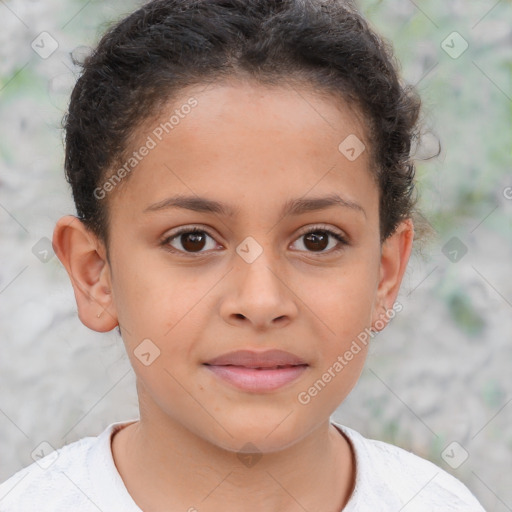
(260,294)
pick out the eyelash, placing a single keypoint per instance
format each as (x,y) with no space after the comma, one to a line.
(195,229)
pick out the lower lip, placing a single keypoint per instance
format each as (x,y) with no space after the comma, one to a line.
(251,379)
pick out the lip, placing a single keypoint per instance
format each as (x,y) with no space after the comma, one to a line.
(257,371)
(252,359)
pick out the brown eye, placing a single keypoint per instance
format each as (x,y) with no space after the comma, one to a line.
(316,241)
(191,240)
(194,241)
(319,240)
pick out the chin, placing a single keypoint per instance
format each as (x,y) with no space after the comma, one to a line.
(265,435)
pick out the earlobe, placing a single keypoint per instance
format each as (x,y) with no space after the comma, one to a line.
(83,256)
(396,251)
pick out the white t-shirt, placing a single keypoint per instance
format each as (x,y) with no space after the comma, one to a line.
(82,477)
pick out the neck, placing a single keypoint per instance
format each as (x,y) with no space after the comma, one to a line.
(165,466)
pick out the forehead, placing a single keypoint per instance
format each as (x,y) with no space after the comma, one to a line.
(250,144)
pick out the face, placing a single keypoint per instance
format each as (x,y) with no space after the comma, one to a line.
(270,266)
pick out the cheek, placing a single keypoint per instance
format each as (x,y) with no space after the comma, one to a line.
(150,296)
(342,300)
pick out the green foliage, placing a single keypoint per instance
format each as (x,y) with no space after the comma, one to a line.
(465,315)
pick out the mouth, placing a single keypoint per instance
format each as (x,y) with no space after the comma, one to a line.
(252,359)
(257,371)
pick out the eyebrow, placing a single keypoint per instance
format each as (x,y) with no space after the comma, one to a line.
(291,207)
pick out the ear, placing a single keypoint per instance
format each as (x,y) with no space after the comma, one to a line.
(84,258)
(395,253)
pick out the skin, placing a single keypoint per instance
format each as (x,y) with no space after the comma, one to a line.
(253,148)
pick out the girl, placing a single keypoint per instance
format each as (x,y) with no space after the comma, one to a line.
(275,136)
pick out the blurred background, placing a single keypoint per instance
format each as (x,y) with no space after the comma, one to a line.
(438,379)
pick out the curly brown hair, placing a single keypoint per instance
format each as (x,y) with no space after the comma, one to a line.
(147,58)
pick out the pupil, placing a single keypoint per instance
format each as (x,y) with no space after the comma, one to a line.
(188,240)
(317,239)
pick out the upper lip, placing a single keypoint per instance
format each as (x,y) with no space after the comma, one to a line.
(251,359)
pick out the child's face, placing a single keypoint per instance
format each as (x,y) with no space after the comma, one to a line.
(252,280)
